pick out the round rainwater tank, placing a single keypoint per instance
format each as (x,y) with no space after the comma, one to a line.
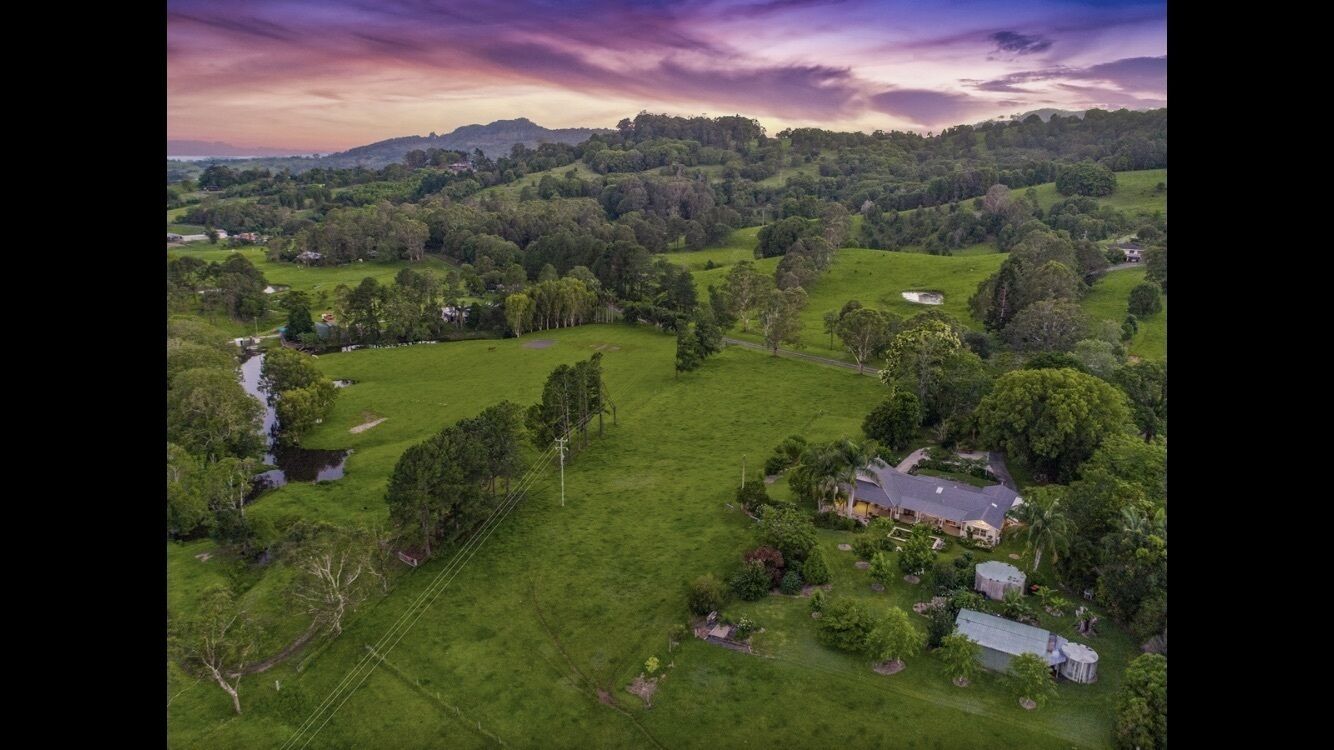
(1081,663)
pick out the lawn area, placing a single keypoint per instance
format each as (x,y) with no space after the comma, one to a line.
(876,278)
(316,280)
(740,245)
(780,178)
(513,189)
(1107,300)
(906,705)
(606,569)
(186,228)
(563,599)
(1134,193)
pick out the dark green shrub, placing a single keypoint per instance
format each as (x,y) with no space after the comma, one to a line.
(752,582)
(791,583)
(818,599)
(706,594)
(944,577)
(845,625)
(816,569)
(940,624)
(753,495)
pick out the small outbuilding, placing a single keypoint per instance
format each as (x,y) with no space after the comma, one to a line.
(1002,640)
(994,578)
(1081,663)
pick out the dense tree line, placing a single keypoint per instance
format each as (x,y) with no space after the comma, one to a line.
(443,487)
(213,436)
(234,286)
(302,396)
(572,396)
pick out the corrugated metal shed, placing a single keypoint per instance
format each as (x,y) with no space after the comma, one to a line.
(1002,639)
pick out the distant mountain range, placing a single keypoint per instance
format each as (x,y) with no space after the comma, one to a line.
(218,148)
(494,139)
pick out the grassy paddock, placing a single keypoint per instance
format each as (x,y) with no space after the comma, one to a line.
(562,601)
(1108,300)
(1134,193)
(876,278)
(315,279)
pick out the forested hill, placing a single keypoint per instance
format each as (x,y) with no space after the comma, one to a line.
(494,139)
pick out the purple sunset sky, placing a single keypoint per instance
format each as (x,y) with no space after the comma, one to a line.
(323,76)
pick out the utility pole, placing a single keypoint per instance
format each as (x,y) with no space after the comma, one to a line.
(743,471)
(560,445)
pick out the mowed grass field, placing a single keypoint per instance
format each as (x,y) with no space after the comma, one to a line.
(877,279)
(1134,193)
(740,246)
(315,280)
(562,602)
(1108,300)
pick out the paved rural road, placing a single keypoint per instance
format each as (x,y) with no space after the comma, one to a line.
(870,371)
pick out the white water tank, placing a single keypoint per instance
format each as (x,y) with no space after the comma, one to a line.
(1081,663)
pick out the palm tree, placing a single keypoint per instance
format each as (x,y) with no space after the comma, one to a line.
(1046,525)
(853,457)
(818,468)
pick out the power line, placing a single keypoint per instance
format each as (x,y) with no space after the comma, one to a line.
(408,618)
(560,444)
(433,591)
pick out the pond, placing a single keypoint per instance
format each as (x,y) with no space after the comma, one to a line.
(925,298)
(293,464)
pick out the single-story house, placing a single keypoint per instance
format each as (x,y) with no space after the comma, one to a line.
(956,509)
(1131,251)
(309,256)
(1002,640)
(452,314)
(460,166)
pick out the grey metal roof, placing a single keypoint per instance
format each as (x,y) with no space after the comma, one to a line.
(887,487)
(1008,636)
(996,570)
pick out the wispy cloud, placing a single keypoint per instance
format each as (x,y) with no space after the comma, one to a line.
(1020,44)
(251,70)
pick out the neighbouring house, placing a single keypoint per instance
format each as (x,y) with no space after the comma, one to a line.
(995,578)
(1002,640)
(956,509)
(222,233)
(460,166)
(308,256)
(275,288)
(452,314)
(173,237)
(1131,251)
